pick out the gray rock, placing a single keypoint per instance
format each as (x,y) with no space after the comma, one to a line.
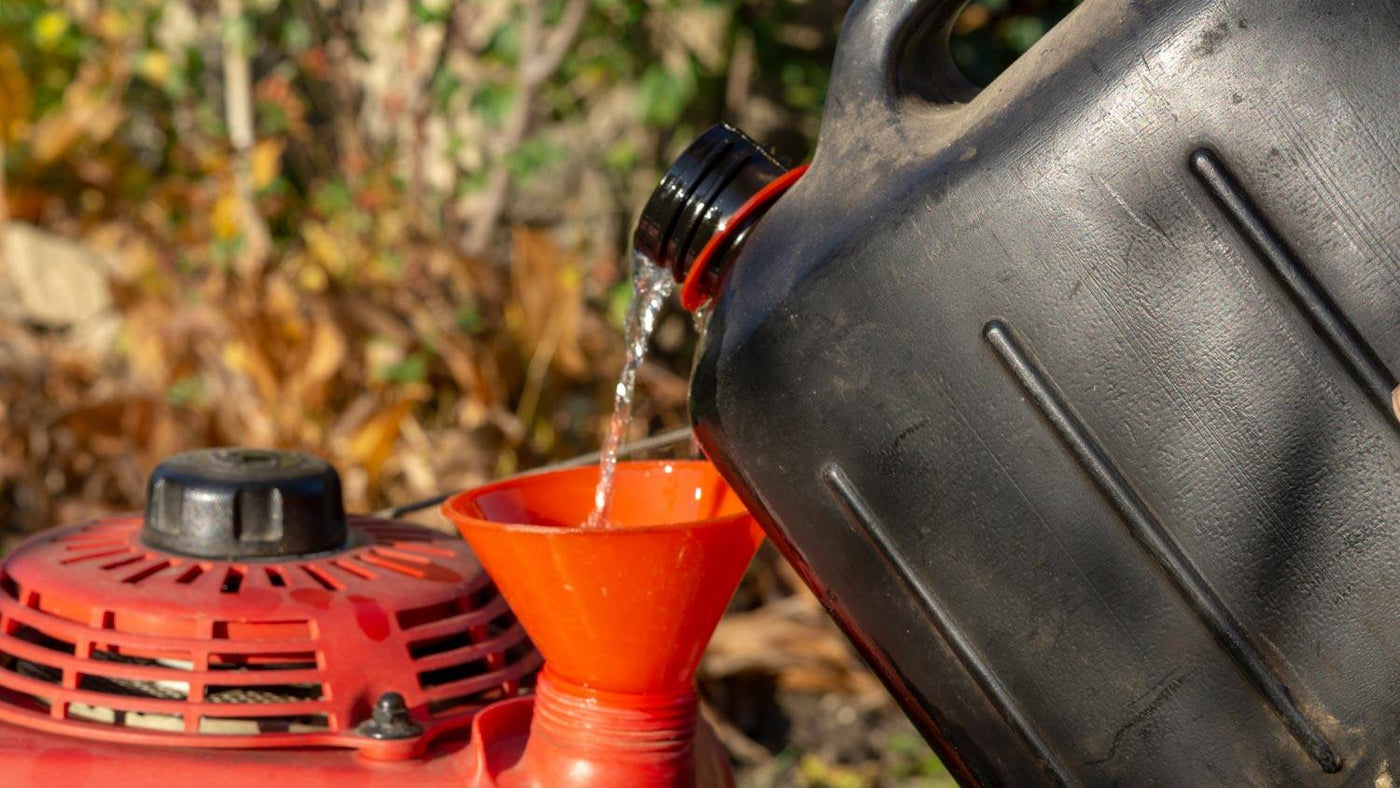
(51,281)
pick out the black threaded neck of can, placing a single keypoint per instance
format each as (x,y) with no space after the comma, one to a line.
(698,195)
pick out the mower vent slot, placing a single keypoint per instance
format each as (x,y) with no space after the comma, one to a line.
(169,659)
(121,562)
(171,723)
(108,547)
(469,636)
(520,652)
(453,673)
(9,586)
(320,577)
(190,575)
(233,580)
(431,646)
(29,634)
(262,693)
(438,707)
(400,555)
(22,700)
(418,616)
(412,569)
(133,688)
(252,726)
(352,570)
(30,669)
(101,553)
(136,578)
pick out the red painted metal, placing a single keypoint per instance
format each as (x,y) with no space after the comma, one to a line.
(105,639)
(498,735)
(50,760)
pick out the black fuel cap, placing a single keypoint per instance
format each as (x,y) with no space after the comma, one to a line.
(235,503)
(703,189)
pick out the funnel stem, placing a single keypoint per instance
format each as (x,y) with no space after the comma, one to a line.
(582,736)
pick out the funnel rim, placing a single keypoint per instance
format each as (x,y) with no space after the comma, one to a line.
(452,507)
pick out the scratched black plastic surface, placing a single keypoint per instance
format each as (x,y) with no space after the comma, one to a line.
(1071,398)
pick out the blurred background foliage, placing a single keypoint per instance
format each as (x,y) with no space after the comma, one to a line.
(392,232)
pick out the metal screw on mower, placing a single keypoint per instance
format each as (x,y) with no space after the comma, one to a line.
(390,720)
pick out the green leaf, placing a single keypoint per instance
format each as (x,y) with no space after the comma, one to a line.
(469,319)
(532,156)
(1020,32)
(431,13)
(662,96)
(272,119)
(444,86)
(505,42)
(619,301)
(188,390)
(333,198)
(241,33)
(493,102)
(473,180)
(296,35)
(390,261)
(413,369)
(621,156)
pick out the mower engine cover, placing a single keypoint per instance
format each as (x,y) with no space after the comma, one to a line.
(246,616)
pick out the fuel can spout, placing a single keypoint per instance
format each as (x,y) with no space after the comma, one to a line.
(698,217)
(621,616)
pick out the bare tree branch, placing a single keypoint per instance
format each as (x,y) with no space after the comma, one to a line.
(738,82)
(354,153)
(556,46)
(452,34)
(541,53)
(238,110)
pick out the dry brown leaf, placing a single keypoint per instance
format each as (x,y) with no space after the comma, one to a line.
(323,359)
(547,283)
(374,441)
(792,639)
(15,95)
(91,111)
(247,359)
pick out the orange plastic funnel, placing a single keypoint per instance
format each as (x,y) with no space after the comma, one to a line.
(624,609)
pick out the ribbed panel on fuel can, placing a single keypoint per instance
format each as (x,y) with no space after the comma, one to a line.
(1072,397)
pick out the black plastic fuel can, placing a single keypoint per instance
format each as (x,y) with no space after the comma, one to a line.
(1071,397)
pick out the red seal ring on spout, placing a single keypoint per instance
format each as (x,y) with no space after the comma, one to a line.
(693,293)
